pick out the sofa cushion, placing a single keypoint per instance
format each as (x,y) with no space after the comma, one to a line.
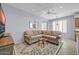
(48,36)
(25,32)
(55,33)
(49,33)
(40,32)
(45,32)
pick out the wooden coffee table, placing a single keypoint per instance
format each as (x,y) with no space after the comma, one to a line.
(42,42)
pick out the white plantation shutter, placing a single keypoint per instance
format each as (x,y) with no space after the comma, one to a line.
(60,25)
(44,26)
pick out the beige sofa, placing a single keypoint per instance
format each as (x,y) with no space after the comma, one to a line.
(33,36)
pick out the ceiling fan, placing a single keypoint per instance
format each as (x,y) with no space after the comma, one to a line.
(52,11)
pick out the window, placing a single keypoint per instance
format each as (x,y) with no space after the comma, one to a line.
(32,25)
(44,26)
(60,25)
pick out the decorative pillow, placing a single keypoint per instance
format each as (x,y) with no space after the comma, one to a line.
(35,32)
(49,32)
(55,33)
(30,33)
(44,32)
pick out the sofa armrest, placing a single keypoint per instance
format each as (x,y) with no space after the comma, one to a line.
(27,36)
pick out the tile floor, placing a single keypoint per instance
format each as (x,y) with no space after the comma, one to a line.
(68,48)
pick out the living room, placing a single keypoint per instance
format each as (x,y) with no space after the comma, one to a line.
(41,17)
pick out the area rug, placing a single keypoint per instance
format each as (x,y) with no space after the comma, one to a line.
(36,49)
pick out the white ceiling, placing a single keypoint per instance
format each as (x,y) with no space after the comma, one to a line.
(61,9)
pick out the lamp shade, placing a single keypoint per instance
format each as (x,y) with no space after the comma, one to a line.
(2,15)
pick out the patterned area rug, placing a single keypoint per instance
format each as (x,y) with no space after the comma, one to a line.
(37,49)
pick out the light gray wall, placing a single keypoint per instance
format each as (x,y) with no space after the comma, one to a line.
(17,21)
(70,27)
